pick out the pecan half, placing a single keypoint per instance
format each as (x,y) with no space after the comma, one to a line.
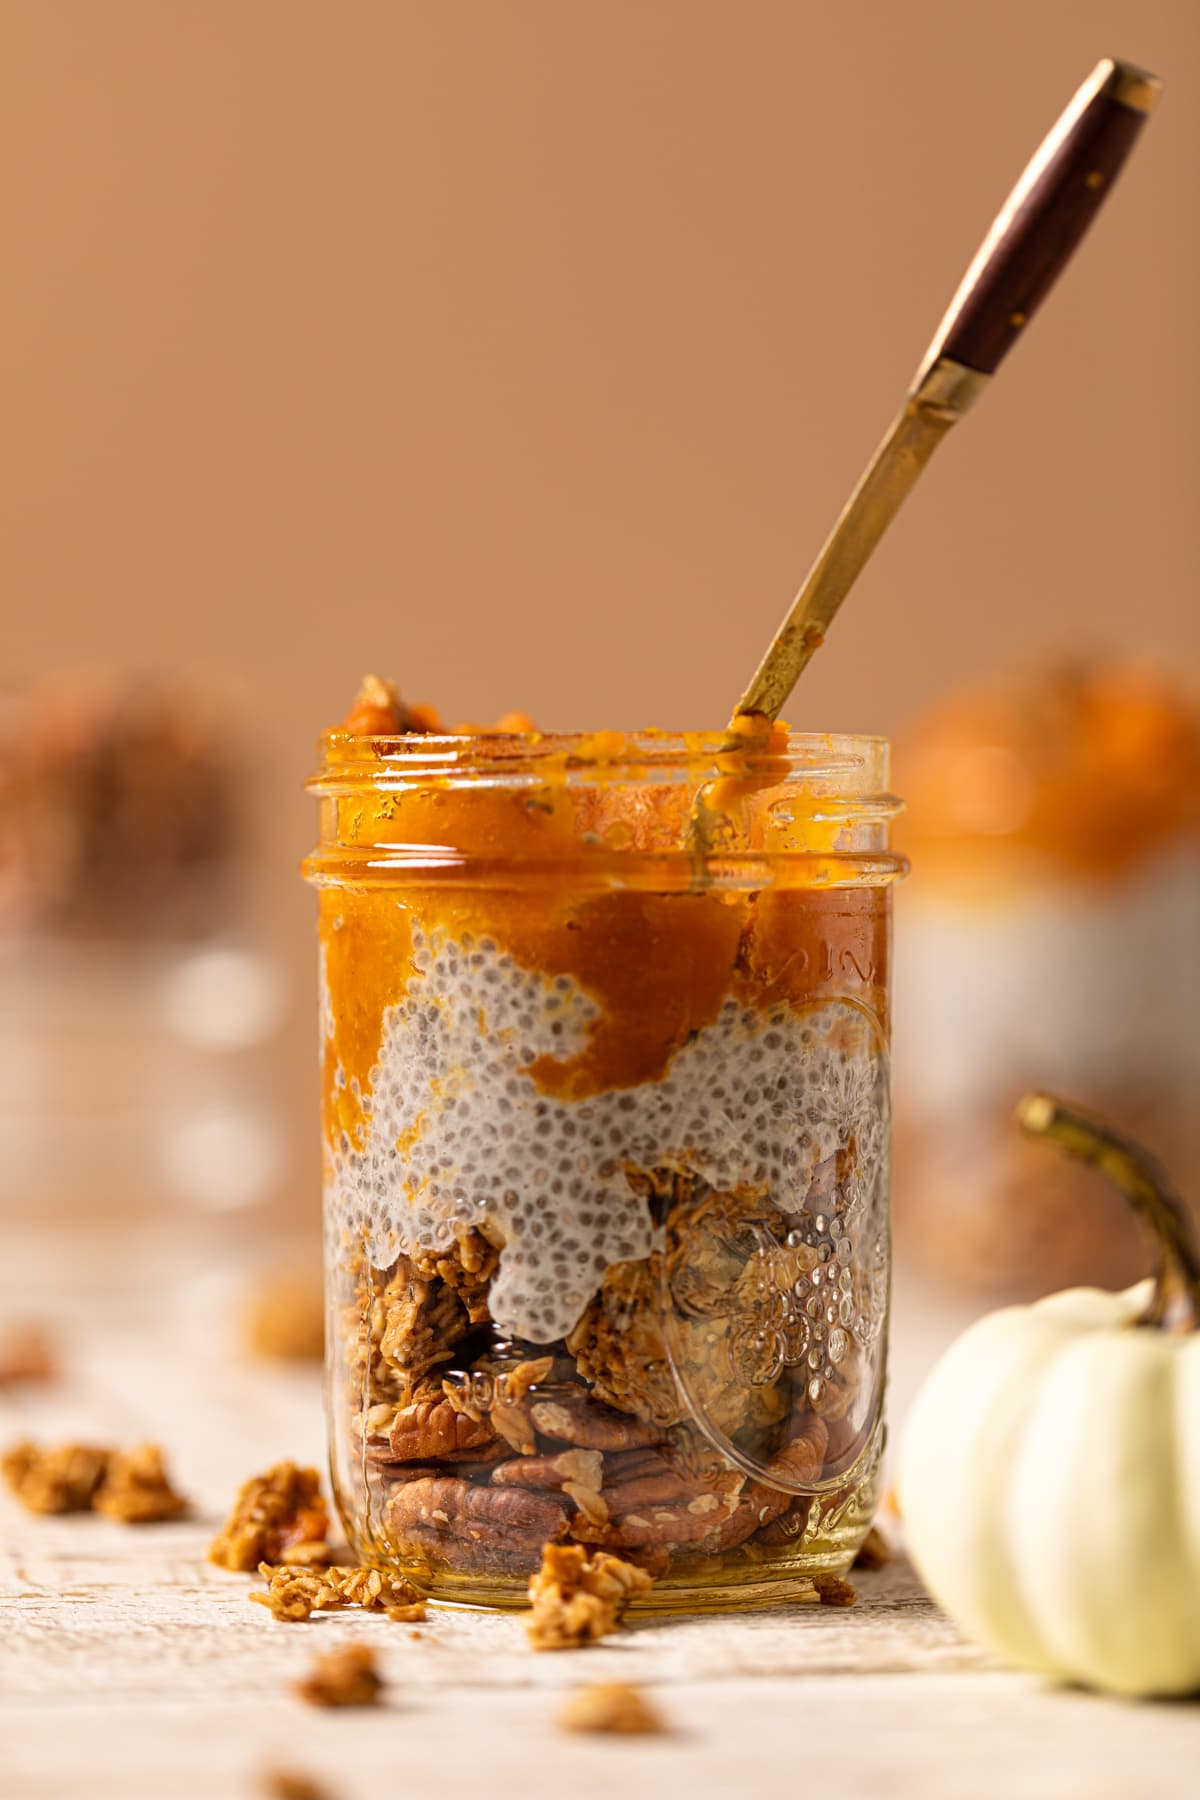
(801,1458)
(577,1419)
(758,1507)
(779,1532)
(585,1467)
(474,1527)
(691,1522)
(431,1430)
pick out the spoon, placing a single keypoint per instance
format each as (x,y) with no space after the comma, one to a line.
(1018,262)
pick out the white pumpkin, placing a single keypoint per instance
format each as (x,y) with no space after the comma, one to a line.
(1049,1476)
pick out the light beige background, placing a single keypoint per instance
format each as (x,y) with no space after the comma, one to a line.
(526,348)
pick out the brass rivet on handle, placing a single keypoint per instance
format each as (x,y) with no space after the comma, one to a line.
(1135,88)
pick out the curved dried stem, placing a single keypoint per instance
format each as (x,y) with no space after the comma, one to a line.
(1175,1302)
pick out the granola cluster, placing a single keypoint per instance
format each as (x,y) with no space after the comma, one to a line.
(120,810)
(294,1594)
(129,1485)
(611,1706)
(136,1489)
(578,1598)
(26,1355)
(347,1676)
(832,1590)
(278,1517)
(293,1784)
(285,1320)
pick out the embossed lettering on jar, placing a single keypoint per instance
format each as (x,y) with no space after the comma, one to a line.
(606,1131)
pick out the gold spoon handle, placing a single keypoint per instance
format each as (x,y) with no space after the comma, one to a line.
(1018,262)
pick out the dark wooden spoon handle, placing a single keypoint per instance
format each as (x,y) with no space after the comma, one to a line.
(1044,218)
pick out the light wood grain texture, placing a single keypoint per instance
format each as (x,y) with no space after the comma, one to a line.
(130,1668)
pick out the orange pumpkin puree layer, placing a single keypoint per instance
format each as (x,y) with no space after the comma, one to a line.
(517,865)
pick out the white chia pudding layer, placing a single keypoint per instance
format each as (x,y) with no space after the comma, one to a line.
(458,1134)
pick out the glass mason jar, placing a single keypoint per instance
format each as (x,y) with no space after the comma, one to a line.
(606,1127)
(1050,940)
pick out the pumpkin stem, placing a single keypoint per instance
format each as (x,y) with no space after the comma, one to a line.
(1175,1302)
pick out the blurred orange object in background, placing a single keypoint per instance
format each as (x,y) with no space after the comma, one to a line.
(1049,937)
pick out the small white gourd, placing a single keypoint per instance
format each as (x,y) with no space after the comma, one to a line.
(1049,1474)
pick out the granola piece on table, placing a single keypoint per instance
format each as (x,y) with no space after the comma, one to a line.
(611,1706)
(136,1488)
(347,1676)
(277,1517)
(832,1590)
(294,1594)
(875,1552)
(578,1597)
(26,1354)
(293,1784)
(62,1480)
(284,1320)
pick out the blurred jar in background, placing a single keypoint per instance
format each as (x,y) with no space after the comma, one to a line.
(1049,937)
(137,1002)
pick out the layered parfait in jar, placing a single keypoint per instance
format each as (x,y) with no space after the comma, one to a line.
(1051,939)
(604,1035)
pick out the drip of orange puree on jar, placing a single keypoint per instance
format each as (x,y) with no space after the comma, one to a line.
(659,964)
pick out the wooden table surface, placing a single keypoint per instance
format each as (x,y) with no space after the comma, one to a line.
(131,1668)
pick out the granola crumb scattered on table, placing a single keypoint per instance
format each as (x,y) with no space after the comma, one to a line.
(279,1517)
(129,1485)
(611,1706)
(26,1354)
(137,1489)
(875,1552)
(578,1597)
(347,1676)
(64,1479)
(833,1590)
(293,1784)
(284,1319)
(294,1594)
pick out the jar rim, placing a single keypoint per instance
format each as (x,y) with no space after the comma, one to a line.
(857,763)
(839,781)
